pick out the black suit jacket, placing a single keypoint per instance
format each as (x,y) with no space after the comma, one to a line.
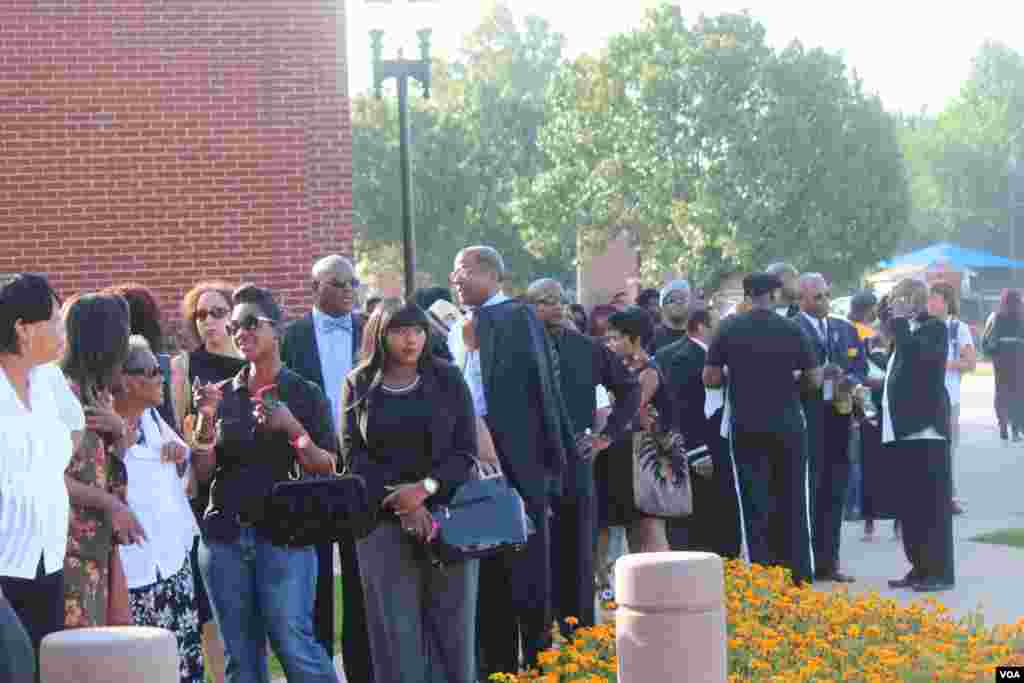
(300,353)
(683,364)
(526,414)
(917,382)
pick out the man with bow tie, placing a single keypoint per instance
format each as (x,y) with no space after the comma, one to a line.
(323,347)
(509,366)
(841,354)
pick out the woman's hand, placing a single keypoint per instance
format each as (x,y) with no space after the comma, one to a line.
(418,523)
(277,417)
(126,525)
(102,419)
(207,398)
(405,499)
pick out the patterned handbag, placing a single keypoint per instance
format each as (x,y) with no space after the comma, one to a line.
(661,474)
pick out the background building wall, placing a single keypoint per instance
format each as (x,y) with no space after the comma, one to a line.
(168,142)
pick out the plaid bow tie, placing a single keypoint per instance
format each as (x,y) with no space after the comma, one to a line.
(335,324)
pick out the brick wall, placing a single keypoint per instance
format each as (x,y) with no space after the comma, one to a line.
(167,141)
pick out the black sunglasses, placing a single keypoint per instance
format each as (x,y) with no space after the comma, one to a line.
(352,283)
(248,323)
(217,313)
(151,372)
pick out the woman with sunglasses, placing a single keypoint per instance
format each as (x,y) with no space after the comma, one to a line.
(205,310)
(409,429)
(270,423)
(159,574)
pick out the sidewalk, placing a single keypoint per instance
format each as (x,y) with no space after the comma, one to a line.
(988,474)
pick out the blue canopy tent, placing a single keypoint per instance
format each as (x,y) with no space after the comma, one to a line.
(957,256)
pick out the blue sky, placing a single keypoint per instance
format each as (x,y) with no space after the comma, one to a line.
(913,53)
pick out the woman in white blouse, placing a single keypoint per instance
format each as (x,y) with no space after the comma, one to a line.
(159,574)
(35,448)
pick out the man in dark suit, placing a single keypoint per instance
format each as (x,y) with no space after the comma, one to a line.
(583,364)
(840,353)
(915,428)
(715,523)
(323,347)
(507,362)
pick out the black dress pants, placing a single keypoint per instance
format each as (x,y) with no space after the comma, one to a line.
(17,661)
(573,530)
(830,477)
(926,513)
(774,484)
(515,599)
(355,635)
(38,604)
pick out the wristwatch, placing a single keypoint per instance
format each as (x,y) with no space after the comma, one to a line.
(431,486)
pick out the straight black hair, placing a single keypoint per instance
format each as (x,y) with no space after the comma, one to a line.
(634,322)
(26,297)
(389,315)
(97,331)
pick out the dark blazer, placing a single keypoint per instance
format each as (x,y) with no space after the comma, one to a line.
(917,382)
(452,430)
(683,365)
(300,353)
(844,347)
(526,414)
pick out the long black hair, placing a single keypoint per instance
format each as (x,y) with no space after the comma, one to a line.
(97,333)
(389,314)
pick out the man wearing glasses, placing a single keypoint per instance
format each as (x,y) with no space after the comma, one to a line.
(323,347)
(840,354)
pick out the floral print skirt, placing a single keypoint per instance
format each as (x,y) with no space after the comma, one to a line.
(171,604)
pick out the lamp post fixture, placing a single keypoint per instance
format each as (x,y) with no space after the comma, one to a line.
(402,70)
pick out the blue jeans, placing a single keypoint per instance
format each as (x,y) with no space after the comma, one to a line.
(258,589)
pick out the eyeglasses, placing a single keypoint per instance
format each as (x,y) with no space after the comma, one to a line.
(216,313)
(248,323)
(352,283)
(676,299)
(151,372)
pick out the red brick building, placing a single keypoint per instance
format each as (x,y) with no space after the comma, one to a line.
(171,141)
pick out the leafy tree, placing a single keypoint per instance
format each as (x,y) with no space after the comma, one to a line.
(717,153)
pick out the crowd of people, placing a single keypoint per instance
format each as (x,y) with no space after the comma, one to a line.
(134,483)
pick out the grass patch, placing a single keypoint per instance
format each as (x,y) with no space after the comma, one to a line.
(1009,537)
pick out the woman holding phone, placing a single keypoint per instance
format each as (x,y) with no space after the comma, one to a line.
(269,421)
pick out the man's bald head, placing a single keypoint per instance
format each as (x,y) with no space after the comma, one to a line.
(547,298)
(334,285)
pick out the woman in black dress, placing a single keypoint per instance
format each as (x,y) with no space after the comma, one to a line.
(629,333)
(408,429)
(1004,343)
(205,310)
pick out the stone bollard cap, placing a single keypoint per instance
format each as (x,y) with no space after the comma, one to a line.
(694,582)
(123,654)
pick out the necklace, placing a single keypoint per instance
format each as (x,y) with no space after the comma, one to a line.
(402,389)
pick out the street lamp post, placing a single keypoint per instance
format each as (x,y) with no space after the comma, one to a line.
(402,70)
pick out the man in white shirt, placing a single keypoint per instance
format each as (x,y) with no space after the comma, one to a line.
(962,359)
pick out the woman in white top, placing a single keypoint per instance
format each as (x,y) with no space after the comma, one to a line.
(159,574)
(35,448)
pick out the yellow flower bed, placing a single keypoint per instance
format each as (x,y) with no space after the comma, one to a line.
(780,633)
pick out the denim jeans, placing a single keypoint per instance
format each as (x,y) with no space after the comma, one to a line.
(258,589)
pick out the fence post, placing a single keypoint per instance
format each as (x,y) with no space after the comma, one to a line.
(670,621)
(116,654)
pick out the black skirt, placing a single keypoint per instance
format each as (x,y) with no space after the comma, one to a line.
(613,475)
(882,490)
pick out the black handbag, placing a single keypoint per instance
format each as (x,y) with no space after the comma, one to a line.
(486,516)
(318,510)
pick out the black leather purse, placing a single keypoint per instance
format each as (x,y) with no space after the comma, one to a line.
(485,517)
(318,510)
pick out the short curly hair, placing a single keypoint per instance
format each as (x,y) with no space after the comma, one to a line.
(191,302)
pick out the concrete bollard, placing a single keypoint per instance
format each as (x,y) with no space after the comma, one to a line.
(116,654)
(670,621)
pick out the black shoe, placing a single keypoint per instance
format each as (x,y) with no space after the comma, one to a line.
(932,586)
(1003,433)
(911,579)
(835,576)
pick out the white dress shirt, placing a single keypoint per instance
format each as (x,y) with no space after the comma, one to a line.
(156,494)
(335,349)
(35,449)
(469,361)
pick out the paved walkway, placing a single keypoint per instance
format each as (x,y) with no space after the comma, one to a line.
(989,473)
